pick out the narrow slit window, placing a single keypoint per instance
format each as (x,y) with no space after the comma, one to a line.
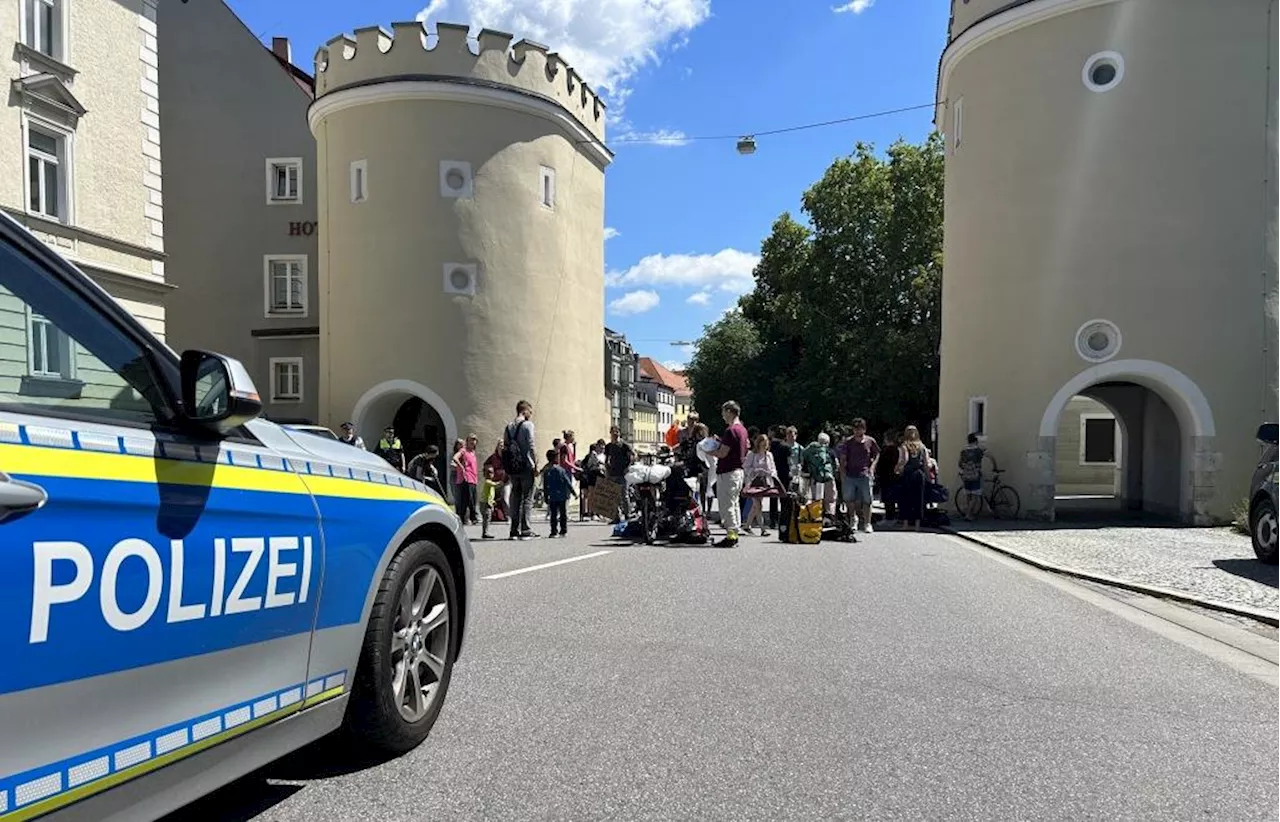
(359,181)
(548,187)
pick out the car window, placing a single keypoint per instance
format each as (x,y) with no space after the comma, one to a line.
(60,357)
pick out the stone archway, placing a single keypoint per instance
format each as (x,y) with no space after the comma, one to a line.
(386,404)
(1169,419)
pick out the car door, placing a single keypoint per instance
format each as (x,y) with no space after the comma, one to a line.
(157,590)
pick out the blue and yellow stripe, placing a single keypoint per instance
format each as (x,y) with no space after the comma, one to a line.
(41,790)
(60,452)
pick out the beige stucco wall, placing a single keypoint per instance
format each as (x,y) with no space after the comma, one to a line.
(1143,205)
(533,328)
(116,217)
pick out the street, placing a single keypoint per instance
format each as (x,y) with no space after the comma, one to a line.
(909,676)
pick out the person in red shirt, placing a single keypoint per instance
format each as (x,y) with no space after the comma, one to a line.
(729,474)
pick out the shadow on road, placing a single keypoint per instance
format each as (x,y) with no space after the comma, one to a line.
(1251,569)
(255,794)
(1067,523)
(240,801)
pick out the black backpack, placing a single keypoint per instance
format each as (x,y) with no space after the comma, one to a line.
(513,461)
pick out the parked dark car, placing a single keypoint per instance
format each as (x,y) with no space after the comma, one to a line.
(1262,497)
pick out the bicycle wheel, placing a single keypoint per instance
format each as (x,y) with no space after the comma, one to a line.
(1005,503)
(968,504)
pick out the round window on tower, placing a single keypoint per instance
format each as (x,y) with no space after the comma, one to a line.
(1098,340)
(1103,71)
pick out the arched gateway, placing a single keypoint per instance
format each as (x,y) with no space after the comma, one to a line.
(420,416)
(1167,442)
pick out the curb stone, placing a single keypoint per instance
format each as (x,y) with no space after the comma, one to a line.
(1268,617)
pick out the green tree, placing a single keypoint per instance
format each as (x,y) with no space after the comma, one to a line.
(722,365)
(844,319)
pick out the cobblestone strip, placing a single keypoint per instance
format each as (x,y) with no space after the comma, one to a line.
(1210,565)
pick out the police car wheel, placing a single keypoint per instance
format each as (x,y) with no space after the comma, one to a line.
(407,658)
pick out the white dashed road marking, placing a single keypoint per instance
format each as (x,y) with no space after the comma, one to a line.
(545,565)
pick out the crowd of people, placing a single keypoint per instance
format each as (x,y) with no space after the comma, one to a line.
(739,468)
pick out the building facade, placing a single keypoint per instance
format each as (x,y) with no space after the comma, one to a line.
(658,385)
(622,367)
(646,430)
(684,398)
(240,196)
(461,225)
(1111,217)
(80,136)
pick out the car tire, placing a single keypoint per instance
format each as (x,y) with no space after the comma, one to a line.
(400,651)
(1264,518)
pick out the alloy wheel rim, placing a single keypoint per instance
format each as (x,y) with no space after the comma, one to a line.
(419,643)
(1267,534)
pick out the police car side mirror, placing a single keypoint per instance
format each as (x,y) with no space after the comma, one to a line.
(217,392)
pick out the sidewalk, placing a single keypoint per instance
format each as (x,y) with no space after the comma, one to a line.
(1205,563)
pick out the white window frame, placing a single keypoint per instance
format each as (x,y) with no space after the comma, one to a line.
(64,161)
(295,162)
(359,181)
(267,261)
(547,187)
(957,124)
(60,21)
(972,428)
(468,180)
(31,320)
(1083,428)
(272,365)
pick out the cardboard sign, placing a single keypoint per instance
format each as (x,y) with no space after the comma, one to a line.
(606,497)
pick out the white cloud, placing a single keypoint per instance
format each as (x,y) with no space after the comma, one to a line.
(657,137)
(607,41)
(634,302)
(855,6)
(727,270)
(673,365)
(610,232)
(702,297)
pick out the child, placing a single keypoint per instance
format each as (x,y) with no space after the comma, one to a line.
(488,487)
(557,486)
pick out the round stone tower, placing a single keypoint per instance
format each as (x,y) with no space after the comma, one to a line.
(461,211)
(1110,248)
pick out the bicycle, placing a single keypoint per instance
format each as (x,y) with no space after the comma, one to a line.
(1001,499)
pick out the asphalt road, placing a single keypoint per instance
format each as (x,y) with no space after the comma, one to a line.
(907,677)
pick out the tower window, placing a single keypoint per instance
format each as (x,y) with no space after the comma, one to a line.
(1103,71)
(359,181)
(547,186)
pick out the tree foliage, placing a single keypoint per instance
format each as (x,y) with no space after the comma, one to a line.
(844,320)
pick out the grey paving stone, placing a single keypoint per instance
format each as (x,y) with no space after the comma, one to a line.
(1214,563)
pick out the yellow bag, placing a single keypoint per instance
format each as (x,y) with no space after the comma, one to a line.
(809,523)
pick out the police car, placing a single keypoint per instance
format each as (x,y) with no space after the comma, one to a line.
(188,592)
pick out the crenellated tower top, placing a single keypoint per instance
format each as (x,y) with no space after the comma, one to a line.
(376,55)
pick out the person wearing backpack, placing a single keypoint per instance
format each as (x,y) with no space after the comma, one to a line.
(519,461)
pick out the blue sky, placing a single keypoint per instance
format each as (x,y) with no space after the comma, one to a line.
(687,216)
